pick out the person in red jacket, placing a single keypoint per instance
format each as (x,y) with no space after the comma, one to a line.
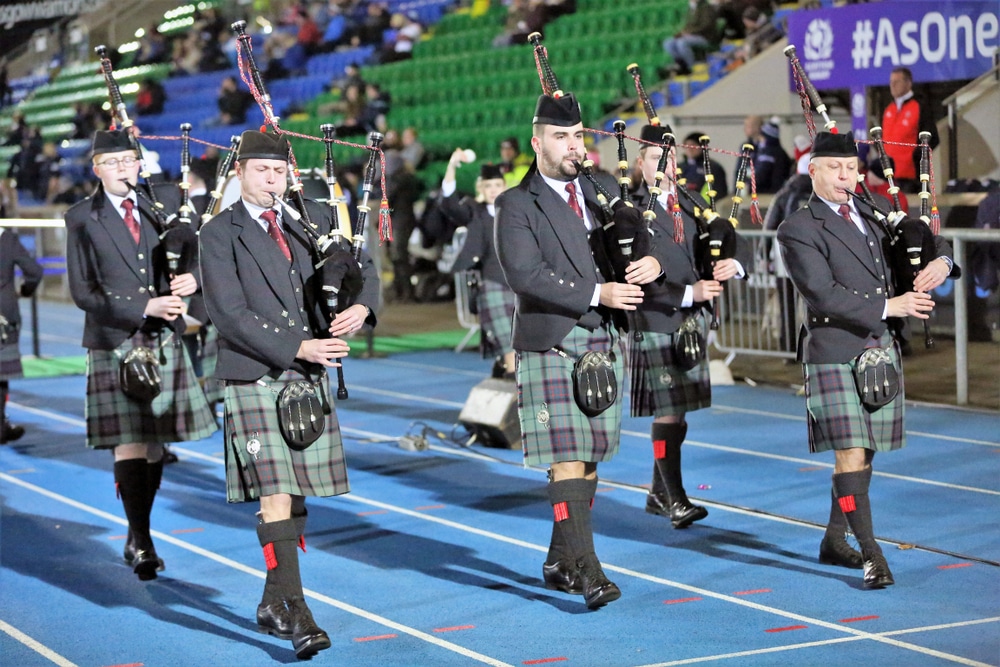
(902,121)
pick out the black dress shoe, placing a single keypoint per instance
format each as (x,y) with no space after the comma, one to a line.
(11,432)
(598,590)
(681,513)
(145,564)
(128,554)
(839,552)
(562,576)
(877,574)
(274,619)
(307,638)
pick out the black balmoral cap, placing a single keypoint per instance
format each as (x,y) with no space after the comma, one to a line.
(561,112)
(654,133)
(490,171)
(205,168)
(827,144)
(111,141)
(263,146)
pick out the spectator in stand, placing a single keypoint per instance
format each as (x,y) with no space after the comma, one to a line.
(48,185)
(407,33)
(6,93)
(879,186)
(151,98)
(693,169)
(513,164)
(413,152)
(700,32)
(26,162)
(771,163)
(351,107)
(523,18)
(308,37)
(187,54)
(760,33)
(378,102)
(352,75)
(86,120)
(902,121)
(153,47)
(17,131)
(233,101)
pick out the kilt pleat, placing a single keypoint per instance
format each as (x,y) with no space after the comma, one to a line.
(10,358)
(214,388)
(251,414)
(496,314)
(659,387)
(179,413)
(552,426)
(838,420)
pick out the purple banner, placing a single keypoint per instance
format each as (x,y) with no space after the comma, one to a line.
(859,45)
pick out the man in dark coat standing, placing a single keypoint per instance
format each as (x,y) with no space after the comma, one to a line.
(264,297)
(836,254)
(550,244)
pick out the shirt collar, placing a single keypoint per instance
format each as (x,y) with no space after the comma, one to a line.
(902,99)
(256,211)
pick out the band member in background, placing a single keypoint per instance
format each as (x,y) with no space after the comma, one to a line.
(669,379)
(549,242)
(264,299)
(494,299)
(118,275)
(835,252)
(12,254)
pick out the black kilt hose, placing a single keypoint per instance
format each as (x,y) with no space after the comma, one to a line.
(10,355)
(252,416)
(659,388)
(553,428)
(496,315)
(179,413)
(838,420)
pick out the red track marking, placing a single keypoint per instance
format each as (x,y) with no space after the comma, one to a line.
(604,489)
(786,629)
(952,567)
(543,660)
(131,664)
(372,512)
(679,600)
(756,590)
(811,468)
(375,637)
(429,507)
(454,627)
(858,618)
(179,531)
(117,537)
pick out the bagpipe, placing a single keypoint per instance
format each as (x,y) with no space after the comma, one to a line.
(176,233)
(221,174)
(911,241)
(337,263)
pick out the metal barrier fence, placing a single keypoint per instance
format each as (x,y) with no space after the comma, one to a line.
(760,316)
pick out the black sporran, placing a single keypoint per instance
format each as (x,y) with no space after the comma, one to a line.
(875,378)
(689,344)
(139,374)
(595,386)
(302,409)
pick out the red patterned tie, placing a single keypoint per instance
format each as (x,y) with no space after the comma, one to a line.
(272,228)
(845,211)
(130,221)
(574,203)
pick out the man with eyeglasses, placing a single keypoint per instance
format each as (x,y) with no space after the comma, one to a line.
(119,276)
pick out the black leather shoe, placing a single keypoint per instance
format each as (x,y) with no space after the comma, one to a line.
(307,638)
(877,574)
(12,432)
(598,590)
(839,552)
(274,619)
(562,576)
(681,513)
(145,564)
(129,554)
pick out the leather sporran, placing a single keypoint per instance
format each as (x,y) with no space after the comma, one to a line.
(875,378)
(595,386)
(139,374)
(302,410)
(689,344)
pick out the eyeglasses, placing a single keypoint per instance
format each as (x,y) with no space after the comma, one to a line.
(114,162)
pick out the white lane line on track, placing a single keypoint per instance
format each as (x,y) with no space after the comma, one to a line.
(860,634)
(222,560)
(35,646)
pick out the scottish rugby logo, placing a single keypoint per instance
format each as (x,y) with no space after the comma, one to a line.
(818,43)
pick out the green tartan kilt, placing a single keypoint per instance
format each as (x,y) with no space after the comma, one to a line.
(496,316)
(838,420)
(658,387)
(178,414)
(251,414)
(553,428)
(209,348)
(10,357)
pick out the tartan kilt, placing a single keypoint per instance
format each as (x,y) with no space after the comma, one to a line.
(179,413)
(496,316)
(213,387)
(553,428)
(251,412)
(10,357)
(658,387)
(838,420)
